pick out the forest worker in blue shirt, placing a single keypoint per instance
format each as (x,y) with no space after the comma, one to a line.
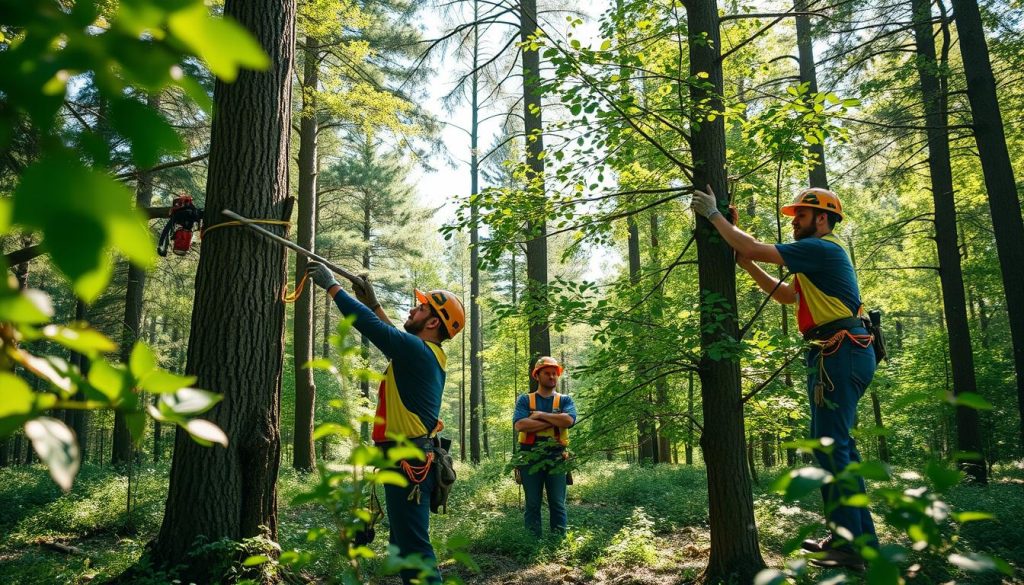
(840,359)
(543,419)
(409,397)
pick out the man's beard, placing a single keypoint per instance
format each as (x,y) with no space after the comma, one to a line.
(414,327)
(800,232)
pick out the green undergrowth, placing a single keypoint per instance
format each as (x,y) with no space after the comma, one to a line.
(622,519)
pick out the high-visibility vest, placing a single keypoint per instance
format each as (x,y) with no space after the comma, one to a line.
(561,435)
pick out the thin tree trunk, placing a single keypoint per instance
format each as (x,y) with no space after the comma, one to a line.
(304,453)
(236,345)
(961,354)
(689,421)
(809,75)
(883,447)
(364,385)
(1003,198)
(132,324)
(735,553)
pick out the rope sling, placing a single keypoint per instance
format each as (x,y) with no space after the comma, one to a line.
(827,347)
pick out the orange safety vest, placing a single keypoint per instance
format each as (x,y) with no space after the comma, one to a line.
(561,435)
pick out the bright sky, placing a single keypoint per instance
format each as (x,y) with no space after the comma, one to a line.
(445,182)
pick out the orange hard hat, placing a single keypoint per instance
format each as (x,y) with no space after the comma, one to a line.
(546,362)
(448,307)
(816,198)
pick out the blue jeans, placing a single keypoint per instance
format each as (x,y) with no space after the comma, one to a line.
(850,369)
(550,476)
(410,524)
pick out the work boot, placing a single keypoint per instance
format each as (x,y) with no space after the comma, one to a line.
(812,545)
(840,558)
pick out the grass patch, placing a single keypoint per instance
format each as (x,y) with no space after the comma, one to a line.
(647,522)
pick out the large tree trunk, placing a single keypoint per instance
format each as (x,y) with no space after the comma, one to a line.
(236,345)
(734,548)
(1003,199)
(689,420)
(536,243)
(961,355)
(364,385)
(809,75)
(303,452)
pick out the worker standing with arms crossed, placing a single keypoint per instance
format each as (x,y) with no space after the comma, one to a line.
(543,419)
(409,397)
(840,359)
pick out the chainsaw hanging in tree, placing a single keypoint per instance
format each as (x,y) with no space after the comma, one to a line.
(185,218)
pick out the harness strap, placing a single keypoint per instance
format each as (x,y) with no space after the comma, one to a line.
(827,347)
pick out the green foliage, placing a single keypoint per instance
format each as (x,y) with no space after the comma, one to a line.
(82,212)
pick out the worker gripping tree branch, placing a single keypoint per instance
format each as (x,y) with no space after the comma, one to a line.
(840,357)
(409,397)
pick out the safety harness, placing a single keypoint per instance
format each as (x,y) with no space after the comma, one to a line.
(561,435)
(827,339)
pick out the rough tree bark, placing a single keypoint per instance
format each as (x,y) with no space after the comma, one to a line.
(236,344)
(303,452)
(961,356)
(734,548)
(809,75)
(536,244)
(1003,198)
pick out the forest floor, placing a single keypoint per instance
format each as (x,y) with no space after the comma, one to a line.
(628,525)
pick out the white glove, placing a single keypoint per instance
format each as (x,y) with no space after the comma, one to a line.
(704,204)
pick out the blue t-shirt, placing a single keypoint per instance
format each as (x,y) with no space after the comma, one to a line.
(565,405)
(826,284)
(419,376)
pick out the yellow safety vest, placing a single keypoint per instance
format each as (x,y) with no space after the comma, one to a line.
(560,435)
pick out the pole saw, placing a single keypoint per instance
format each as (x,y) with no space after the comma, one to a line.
(292,245)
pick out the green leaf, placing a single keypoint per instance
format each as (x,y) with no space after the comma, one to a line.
(5,215)
(606,44)
(136,423)
(148,131)
(55,444)
(16,403)
(163,382)
(205,432)
(971,400)
(964,517)
(81,214)
(390,477)
(873,470)
(410,452)
(30,306)
(799,482)
(255,560)
(189,401)
(80,338)
(328,429)
(979,563)
(108,380)
(142,361)
(770,577)
(942,477)
(224,44)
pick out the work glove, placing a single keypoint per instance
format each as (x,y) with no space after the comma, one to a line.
(704,204)
(364,291)
(321,275)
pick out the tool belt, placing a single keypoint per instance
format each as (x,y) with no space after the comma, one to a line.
(827,339)
(415,473)
(827,330)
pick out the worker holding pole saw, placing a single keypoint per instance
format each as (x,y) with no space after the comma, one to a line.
(409,396)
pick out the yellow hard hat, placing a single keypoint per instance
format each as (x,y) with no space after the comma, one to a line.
(448,307)
(816,198)
(546,362)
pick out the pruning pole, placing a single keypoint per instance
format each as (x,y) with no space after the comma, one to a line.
(290,244)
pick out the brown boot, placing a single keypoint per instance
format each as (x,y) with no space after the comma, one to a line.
(819,545)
